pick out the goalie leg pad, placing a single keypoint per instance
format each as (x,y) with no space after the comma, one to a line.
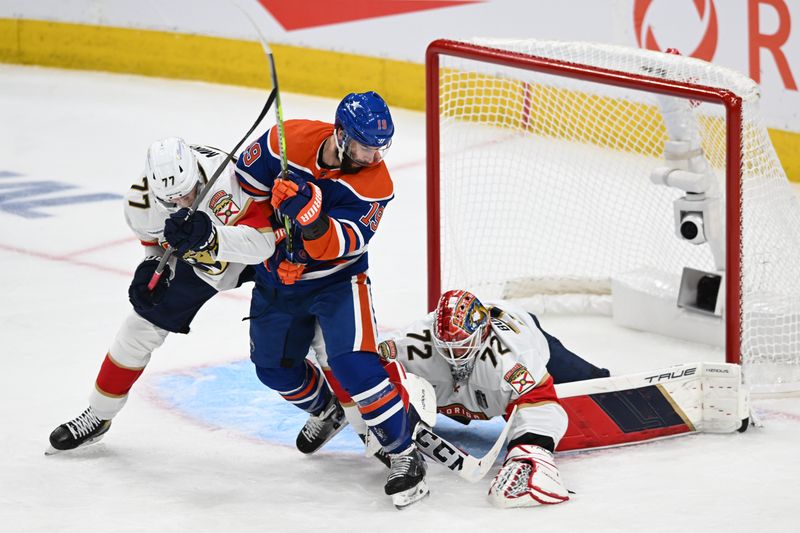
(529,477)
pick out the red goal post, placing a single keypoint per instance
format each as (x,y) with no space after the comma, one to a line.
(480,85)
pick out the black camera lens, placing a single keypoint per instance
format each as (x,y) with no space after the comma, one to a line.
(689,229)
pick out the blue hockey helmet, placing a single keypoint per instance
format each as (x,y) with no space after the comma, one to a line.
(365,119)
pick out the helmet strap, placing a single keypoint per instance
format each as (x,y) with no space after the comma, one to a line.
(339,147)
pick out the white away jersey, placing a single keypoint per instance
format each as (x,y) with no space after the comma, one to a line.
(244,232)
(510,370)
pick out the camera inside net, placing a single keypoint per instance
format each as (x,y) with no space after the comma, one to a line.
(690,227)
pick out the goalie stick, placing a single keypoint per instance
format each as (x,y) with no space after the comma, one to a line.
(445,453)
(169,251)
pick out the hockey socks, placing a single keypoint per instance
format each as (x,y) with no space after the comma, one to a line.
(302,385)
(378,400)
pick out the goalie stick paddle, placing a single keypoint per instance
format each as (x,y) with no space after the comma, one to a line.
(469,467)
(169,251)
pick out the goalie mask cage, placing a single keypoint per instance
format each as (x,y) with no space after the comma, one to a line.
(539,157)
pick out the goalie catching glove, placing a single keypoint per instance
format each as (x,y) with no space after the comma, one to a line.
(528,477)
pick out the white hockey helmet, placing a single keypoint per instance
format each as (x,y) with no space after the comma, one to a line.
(171,169)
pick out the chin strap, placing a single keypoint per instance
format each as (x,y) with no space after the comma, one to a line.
(339,148)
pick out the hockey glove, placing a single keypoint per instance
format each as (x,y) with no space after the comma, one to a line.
(288,269)
(289,272)
(185,232)
(528,477)
(141,297)
(297,198)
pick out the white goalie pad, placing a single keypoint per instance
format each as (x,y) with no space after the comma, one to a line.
(703,397)
(422,396)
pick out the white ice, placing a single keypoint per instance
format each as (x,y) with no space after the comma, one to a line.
(64,284)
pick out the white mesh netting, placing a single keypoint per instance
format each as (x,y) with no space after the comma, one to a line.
(544,188)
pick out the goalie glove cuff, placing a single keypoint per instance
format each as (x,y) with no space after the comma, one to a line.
(533,439)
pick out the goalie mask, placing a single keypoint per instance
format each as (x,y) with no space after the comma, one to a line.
(171,170)
(461,327)
(363,129)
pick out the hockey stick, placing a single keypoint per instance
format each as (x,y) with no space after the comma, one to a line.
(287,223)
(217,173)
(469,467)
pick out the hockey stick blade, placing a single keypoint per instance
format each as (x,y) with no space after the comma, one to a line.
(169,251)
(469,467)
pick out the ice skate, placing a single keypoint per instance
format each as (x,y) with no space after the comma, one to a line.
(81,431)
(406,482)
(322,427)
(376,451)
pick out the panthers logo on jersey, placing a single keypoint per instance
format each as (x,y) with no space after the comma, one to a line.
(224,207)
(520,379)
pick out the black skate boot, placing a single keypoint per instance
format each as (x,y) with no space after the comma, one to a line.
(380,455)
(321,427)
(80,431)
(406,481)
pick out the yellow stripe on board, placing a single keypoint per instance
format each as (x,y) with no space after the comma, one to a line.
(212,59)
(301,70)
(787,146)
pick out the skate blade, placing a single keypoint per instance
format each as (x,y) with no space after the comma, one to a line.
(54,451)
(403,500)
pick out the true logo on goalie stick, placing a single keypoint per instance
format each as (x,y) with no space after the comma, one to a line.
(671,375)
(520,379)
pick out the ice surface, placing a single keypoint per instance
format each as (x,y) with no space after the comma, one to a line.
(199,447)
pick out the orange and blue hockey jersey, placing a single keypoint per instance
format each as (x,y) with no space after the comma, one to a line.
(354,202)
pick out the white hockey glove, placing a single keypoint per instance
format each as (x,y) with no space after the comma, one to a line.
(528,477)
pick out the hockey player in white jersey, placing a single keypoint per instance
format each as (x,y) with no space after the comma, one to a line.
(214,246)
(482,362)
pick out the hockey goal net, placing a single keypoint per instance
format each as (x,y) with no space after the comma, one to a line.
(540,165)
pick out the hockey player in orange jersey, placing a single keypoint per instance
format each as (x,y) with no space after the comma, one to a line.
(334,193)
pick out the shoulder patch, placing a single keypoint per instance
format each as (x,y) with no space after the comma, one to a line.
(223,206)
(388,350)
(520,379)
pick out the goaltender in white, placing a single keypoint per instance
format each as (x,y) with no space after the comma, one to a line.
(482,362)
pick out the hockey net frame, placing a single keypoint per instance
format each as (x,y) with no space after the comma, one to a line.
(729,100)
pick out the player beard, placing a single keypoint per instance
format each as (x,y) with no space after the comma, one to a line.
(349,166)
